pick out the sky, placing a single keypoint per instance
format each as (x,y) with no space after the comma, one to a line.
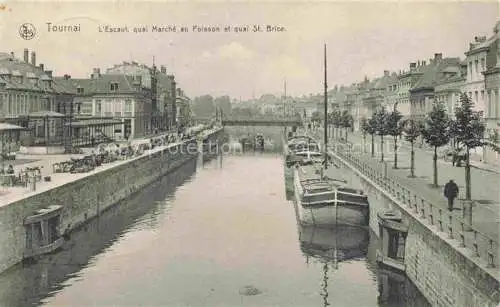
(363,39)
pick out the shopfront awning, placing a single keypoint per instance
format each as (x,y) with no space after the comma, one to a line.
(46,114)
(10,127)
(94,122)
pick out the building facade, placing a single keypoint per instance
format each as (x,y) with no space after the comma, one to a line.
(492,88)
(111,97)
(422,94)
(474,84)
(28,96)
(162,87)
(183,109)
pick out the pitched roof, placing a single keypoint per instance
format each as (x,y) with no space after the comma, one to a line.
(11,69)
(100,85)
(433,73)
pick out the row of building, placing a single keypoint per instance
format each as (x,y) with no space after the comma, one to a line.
(126,101)
(413,91)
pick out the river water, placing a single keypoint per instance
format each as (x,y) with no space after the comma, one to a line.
(220,233)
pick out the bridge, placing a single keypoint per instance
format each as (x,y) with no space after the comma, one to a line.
(260,120)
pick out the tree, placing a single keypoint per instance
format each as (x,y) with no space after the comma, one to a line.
(468,131)
(364,131)
(412,130)
(336,120)
(204,106)
(381,117)
(394,129)
(346,121)
(224,104)
(368,127)
(436,132)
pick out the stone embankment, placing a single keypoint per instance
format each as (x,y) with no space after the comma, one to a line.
(70,200)
(451,263)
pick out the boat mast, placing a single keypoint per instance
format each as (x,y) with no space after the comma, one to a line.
(326,119)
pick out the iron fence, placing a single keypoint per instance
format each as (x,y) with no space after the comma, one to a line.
(464,235)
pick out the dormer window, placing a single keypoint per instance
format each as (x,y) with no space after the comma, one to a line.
(79,90)
(114,86)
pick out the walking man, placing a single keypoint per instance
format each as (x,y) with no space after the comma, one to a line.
(450,192)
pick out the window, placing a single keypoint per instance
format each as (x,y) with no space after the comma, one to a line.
(86,108)
(483,64)
(108,108)
(489,104)
(128,105)
(98,107)
(79,90)
(114,86)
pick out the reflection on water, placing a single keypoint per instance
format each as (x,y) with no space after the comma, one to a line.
(26,284)
(224,237)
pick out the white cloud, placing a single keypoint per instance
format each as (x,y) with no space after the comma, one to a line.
(236,51)
(287,66)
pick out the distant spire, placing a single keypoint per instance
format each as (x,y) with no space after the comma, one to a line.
(284,85)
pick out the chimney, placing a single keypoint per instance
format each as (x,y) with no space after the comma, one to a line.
(386,73)
(96,73)
(33,58)
(413,65)
(480,39)
(163,69)
(41,66)
(67,77)
(423,63)
(49,73)
(418,63)
(26,55)
(438,56)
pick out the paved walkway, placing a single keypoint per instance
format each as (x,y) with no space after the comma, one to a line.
(485,184)
(11,194)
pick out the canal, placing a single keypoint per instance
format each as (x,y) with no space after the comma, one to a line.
(219,233)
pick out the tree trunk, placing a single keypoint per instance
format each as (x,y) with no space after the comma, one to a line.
(435,177)
(346,134)
(373,145)
(467,176)
(412,160)
(395,152)
(381,148)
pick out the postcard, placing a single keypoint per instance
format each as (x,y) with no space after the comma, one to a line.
(249,153)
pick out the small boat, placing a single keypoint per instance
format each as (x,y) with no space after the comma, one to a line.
(326,201)
(303,157)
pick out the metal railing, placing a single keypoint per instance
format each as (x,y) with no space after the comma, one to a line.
(470,239)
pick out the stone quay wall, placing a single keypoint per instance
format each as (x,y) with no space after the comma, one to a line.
(445,273)
(86,197)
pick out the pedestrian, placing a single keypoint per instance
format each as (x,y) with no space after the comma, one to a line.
(450,192)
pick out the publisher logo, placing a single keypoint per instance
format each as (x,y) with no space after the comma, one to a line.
(27,31)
